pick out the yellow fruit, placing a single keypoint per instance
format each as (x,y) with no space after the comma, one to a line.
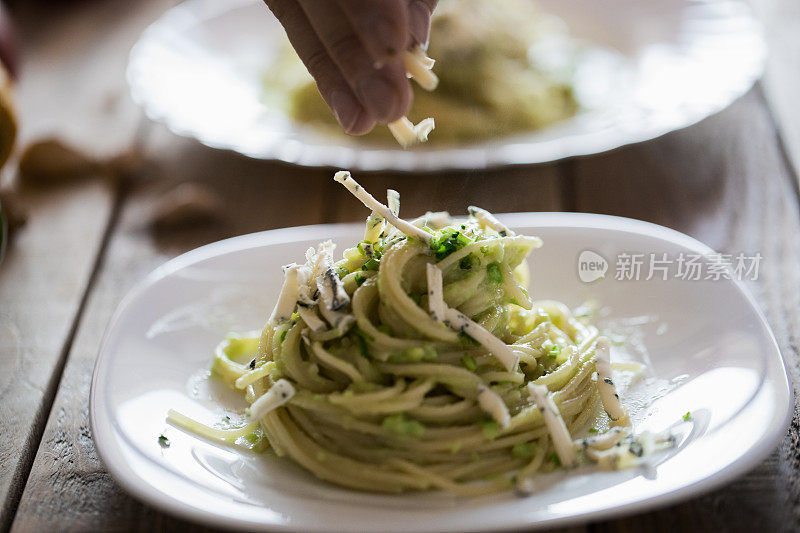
(8,116)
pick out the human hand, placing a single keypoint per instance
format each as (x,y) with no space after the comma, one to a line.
(352,49)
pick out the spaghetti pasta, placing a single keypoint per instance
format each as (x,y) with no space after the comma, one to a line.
(391,371)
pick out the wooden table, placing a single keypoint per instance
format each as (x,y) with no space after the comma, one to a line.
(726,181)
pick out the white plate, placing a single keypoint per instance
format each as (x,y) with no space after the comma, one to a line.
(199,68)
(711,353)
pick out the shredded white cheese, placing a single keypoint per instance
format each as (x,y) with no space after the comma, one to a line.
(462,323)
(555,425)
(330,287)
(418,67)
(368,200)
(288,298)
(605,440)
(424,128)
(485,218)
(393,201)
(436,306)
(605,385)
(278,395)
(630,451)
(329,295)
(306,289)
(408,134)
(492,404)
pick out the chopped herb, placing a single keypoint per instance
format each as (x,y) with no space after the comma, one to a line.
(252,438)
(362,345)
(372,264)
(490,429)
(163,441)
(466,340)
(416,297)
(469,363)
(593,430)
(523,450)
(365,335)
(342,272)
(450,241)
(493,273)
(466,262)
(360,279)
(554,351)
(687,416)
(401,425)
(283,335)
(555,459)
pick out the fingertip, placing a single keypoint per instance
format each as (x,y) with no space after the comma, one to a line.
(350,114)
(345,107)
(362,125)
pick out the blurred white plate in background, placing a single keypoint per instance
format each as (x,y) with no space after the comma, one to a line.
(709,348)
(661,64)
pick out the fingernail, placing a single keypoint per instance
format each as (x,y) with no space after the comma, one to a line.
(419,22)
(345,108)
(378,96)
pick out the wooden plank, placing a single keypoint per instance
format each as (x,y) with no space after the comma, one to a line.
(68,487)
(724,182)
(71,86)
(37,317)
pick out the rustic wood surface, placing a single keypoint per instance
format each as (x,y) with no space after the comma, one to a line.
(724,181)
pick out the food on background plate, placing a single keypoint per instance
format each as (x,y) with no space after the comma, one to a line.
(419,361)
(503,67)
